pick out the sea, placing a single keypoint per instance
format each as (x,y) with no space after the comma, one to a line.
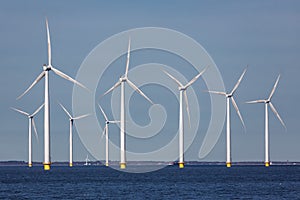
(192,182)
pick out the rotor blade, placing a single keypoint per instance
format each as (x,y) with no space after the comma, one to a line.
(34,82)
(277,115)
(81,116)
(35,131)
(274,87)
(187,107)
(111,89)
(172,77)
(216,92)
(66,110)
(239,81)
(48,43)
(106,119)
(138,90)
(195,78)
(238,111)
(103,133)
(114,122)
(128,57)
(37,110)
(256,101)
(63,75)
(20,111)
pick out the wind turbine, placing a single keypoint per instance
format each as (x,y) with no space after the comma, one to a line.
(105,131)
(71,119)
(268,102)
(229,96)
(45,73)
(182,92)
(31,123)
(87,160)
(124,79)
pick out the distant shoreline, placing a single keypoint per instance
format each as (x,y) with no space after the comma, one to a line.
(149,163)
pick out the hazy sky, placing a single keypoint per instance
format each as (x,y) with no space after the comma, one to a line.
(261,34)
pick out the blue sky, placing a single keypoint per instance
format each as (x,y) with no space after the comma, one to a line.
(261,34)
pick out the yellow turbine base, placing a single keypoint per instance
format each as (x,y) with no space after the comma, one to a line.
(70,164)
(181,165)
(30,165)
(228,164)
(106,164)
(267,164)
(46,167)
(122,165)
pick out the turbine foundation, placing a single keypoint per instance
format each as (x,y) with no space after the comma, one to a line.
(70,164)
(122,165)
(46,166)
(29,164)
(267,164)
(106,164)
(181,165)
(228,164)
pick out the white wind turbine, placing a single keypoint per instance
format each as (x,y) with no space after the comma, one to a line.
(71,119)
(105,131)
(268,102)
(182,92)
(87,160)
(229,96)
(31,123)
(124,79)
(45,73)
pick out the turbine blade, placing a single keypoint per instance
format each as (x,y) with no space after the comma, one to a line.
(128,57)
(274,87)
(34,82)
(103,133)
(35,131)
(63,75)
(238,111)
(187,107)
(37,110)
(216,92)
(66,111)
(114,122)
(138,90)
(111,89)
(239,81)
(195,78)
(277,114)
(106,119)
(20,111)
(173,78)
(256,101)
(81,116)
(48,43)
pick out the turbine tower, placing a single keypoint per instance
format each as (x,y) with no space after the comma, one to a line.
(45,73)
(105,131)
(71,119)
(229,96)
(124,79)
(31,123)
(267,103)
(182,92)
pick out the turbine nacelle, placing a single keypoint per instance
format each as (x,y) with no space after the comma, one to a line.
(182,88)
(123,79)
(46,67)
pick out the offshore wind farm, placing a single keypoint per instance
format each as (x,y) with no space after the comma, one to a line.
(121,82)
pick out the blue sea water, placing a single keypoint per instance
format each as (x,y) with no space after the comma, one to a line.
(192,182)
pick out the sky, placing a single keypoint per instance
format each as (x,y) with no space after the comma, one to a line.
(261,34)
